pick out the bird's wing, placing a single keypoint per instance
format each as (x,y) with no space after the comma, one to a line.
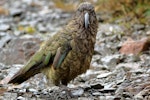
(49,54)
(34,66)
(61,55)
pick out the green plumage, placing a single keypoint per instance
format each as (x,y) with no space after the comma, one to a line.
(68,53)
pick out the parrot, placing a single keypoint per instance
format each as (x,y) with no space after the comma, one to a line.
(66,54)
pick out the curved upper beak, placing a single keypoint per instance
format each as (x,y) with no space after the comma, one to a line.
(86,20)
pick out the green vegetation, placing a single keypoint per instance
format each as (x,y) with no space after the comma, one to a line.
(137,10)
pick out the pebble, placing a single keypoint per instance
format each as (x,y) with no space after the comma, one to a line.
(96,93)
(22,90)
(10,96)
(138,27)
(33,90)
(132,58)
(21,98)
(4,40)
(148,32)
(41,28)
(4,27)
(110,61)
(16,12)
(96,86)
(102,98)
(110,97)
(82,98)
(104,75)
(17,33)
(77,92)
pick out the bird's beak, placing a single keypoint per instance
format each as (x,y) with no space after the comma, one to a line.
(86,20)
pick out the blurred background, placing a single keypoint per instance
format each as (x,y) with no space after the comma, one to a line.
(38,17)
(120,65)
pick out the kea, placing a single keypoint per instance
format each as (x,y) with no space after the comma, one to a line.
(68,53)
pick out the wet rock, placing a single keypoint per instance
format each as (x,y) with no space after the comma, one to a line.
(135,47)
(4,27)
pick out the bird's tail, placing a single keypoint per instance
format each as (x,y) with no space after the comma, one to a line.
(23,75)
(33,67)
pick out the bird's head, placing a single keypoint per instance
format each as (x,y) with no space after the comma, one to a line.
(86,14)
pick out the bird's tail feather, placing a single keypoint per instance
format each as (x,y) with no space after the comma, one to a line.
(23,74)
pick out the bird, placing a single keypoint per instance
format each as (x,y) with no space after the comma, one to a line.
(66,54)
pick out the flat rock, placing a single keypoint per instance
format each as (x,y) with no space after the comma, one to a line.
(135,47)
(77,92)
(4,27)
(16,12)
(17,53)
(97,86)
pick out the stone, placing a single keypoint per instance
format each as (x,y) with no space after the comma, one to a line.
(104,75)
(139,27)
(97,86)
(77,92)
(4,40)
(10,96)
(16,12)
(32,90)
(110,97)
(135,47)
(96,93)
(19,48)
(4,27)
(110,61)
(21,98)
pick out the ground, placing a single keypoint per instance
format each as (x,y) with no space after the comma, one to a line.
(119,69)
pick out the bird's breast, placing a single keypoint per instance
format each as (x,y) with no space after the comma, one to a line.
(78,59)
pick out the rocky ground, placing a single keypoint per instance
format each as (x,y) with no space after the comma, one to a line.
(119,68)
